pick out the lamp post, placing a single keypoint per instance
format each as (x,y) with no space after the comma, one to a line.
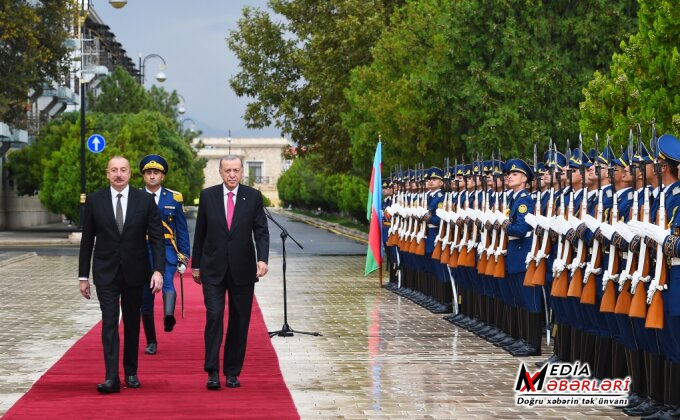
(229,141)
(191,128)
(161,77)
(84,13)
(180,107)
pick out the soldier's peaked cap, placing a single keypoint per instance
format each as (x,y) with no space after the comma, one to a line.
(153,162)
(518,165)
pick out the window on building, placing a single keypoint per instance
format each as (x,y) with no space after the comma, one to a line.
(255,172)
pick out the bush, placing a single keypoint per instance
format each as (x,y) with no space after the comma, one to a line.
(303,187)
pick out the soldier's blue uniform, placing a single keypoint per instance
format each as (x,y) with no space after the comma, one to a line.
(528,300)
(177,250)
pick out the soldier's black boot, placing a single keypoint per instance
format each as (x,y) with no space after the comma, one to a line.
(150,333)
(169,320)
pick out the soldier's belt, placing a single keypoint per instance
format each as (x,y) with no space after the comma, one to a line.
(432,226)
(675,261)
(624,255)
(514,238)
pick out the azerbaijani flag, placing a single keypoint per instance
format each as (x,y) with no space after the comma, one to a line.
(373,214)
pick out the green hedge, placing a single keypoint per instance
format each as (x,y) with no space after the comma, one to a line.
(303,187)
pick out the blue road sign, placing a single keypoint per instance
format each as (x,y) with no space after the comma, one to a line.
(96,143)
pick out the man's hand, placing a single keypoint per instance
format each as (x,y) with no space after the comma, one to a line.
(262,268)
(156,282)
(85,288)
(196,275)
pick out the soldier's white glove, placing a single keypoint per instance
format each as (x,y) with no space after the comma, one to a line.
(623,230)
(638,228)
(559,225)
(591,222)
(543,222)
(531,220)
(655,232)
(181,267)
(607,230)
(575,222)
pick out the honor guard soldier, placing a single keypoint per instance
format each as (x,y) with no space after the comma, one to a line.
(528,304)
(439,283)
(177,248)
(662,299)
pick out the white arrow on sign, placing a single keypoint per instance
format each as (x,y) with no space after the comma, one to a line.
(96,144)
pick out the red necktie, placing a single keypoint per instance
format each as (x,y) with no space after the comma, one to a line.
(230,208)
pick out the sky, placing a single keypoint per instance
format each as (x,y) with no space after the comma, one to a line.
(191,36)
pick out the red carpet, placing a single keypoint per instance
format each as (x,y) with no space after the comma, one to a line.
(173,381)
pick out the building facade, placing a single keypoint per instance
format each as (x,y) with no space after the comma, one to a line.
(263,160)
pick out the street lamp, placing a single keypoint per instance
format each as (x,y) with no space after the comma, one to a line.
(161,77)
(191,128)
(118,4)
(180,108)
(229,141)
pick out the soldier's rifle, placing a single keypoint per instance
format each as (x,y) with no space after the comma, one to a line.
(531,255)
(594,266)
(560,279)
(421,237)
(579,262)
(655,318)
(542,253)
(485,221)
(623,300)
(501,250)
(472,240)
(611,274)
(638,305)
(494,226)
(446,240)
(441,212)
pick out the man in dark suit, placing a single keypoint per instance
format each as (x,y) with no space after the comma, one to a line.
(231,250)
(119,218)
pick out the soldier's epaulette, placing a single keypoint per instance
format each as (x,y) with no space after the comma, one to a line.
(676,190)
(609,193)
(630,195)
(524,194)
(439,194)
(177,196)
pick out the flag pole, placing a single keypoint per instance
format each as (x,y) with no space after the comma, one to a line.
(380,269)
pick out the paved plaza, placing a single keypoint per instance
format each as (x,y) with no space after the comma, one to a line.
(379,355)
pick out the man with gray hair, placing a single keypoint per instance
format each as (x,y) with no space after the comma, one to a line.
(230,254)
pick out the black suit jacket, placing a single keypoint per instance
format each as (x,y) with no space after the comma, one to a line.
(218,249)
(127,249)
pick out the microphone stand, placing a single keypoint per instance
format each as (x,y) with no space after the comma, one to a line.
(286,330)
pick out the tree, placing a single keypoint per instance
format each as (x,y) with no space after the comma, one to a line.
(643,82)
(296,71)
(130,135)
(451,77)
(33,51)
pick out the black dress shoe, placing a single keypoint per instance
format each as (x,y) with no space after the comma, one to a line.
(151,348)
(550,360)
(634,399)
(527,350)
(505,342)
(109,386)
(232,381)
(169,323)
(132,381)
(668,412)
(647,408)
(213,381)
